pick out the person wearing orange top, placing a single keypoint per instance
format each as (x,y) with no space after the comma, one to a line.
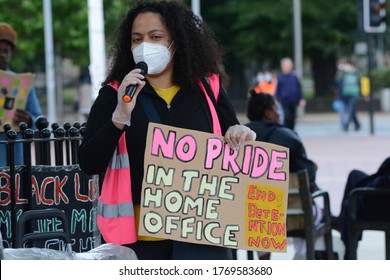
(267,84)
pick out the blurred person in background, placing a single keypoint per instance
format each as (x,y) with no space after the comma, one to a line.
(368,207)
(32,111)
(349,91)
(289,92)
(263,114)
(267,83)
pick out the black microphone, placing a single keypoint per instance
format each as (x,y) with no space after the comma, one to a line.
(130,90)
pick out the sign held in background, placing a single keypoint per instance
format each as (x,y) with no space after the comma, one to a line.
(14,89)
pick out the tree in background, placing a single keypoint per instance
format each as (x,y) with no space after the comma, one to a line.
(262,32)
(328,27)
(70,29)
(254,33)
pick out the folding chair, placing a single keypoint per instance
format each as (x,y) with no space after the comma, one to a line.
(357,224)
(300,221)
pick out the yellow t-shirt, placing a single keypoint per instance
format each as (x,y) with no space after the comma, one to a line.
(167,94)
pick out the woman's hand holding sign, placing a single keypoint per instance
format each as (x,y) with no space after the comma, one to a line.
(237,134)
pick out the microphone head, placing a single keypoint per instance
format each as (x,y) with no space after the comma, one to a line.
(142,66)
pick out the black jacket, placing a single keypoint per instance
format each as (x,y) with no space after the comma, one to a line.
(275,133)
(188,109)
(374,207)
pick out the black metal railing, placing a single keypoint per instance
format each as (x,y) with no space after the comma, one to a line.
(42,179)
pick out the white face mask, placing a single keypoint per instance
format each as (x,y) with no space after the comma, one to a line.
(156,56)
(259,77)
(268,78)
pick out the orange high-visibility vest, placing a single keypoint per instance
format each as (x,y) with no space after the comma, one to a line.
(266,87)
(115,213)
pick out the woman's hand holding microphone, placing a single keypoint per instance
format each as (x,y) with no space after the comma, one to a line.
(127,95)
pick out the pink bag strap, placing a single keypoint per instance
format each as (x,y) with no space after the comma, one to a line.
(214,85)
(114,84)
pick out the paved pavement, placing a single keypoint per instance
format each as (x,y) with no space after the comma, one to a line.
(337,153)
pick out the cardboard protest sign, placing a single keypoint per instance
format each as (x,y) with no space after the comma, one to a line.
(196,189)
(14,90)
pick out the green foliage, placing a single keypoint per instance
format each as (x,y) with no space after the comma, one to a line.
(25,17)
(328,25)
(69,95)
(70,29)
(381,78)
(262,31)
(253,32)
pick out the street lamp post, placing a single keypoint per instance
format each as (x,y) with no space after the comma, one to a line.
(49,62)
(97,46)
(195,6)
(298,58)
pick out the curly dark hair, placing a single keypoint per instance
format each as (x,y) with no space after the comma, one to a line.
(258,104)
(198,51)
